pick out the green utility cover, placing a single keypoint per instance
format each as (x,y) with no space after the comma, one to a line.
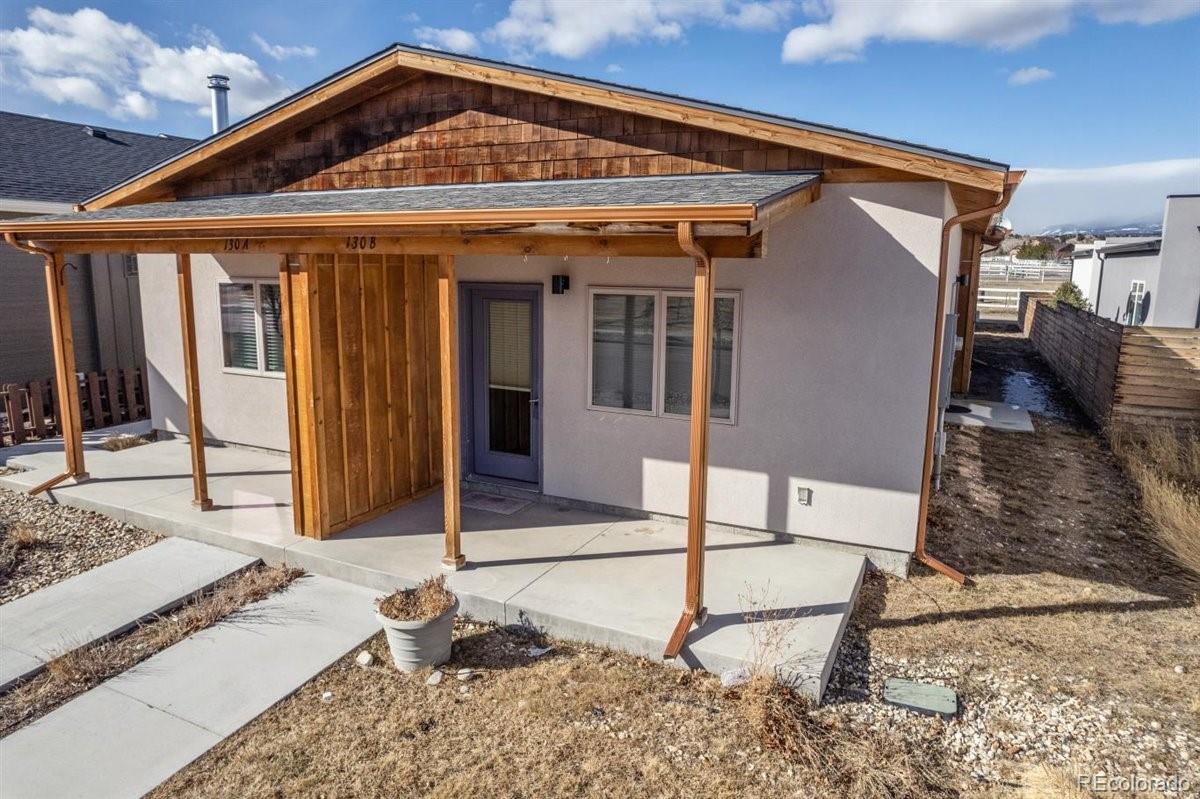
(932,700)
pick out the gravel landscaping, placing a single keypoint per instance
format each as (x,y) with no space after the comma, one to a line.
(42,543)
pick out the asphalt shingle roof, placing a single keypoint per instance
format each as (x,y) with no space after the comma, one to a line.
(55,161)
(729,188)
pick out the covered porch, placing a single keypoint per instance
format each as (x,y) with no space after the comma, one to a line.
(574,573)
(368,299)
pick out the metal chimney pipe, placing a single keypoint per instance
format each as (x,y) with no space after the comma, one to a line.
(219,86)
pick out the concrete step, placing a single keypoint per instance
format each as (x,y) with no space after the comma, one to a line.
(124,737)
(106,601)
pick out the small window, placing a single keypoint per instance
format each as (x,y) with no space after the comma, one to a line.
(251,327)
(641,352)
(1135,307)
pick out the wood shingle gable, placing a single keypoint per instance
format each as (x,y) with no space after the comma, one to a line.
(408,116)
(437,130)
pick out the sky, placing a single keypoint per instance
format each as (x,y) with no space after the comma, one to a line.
(1099,99)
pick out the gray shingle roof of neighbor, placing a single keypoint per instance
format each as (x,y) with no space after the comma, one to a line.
(800,124)
(54,161)
(728,188)
(1147,245)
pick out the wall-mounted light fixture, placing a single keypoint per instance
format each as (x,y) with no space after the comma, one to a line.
(560,284)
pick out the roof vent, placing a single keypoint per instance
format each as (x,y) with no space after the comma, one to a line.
(96,132)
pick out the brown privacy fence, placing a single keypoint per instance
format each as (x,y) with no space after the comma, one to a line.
(30,410)
(1118,373)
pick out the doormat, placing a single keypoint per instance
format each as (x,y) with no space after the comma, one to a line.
(478,500)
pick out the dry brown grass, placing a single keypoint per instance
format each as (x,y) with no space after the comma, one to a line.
(1165,466)
(427,601)
(839,761)
(122,441)
(80,669)
(16,538)
(580,721)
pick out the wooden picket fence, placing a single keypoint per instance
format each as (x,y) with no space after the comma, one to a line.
(30,410)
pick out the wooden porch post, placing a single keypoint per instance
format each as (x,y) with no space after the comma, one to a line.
(451,456)
(702,333)
(70,420)
(191,377)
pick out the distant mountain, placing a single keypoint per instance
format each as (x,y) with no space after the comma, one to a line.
(1103,230)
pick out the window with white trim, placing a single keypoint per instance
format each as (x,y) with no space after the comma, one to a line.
(251,327)
(640,352)
(1135,307)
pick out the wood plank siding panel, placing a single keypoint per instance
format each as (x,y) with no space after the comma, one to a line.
(438,129)
(365,396)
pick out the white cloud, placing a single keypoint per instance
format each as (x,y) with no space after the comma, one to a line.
(563,28)
(842,29)
(1027,75)
(1107,195)
(455,40)
(88,58)
(613,69)
(279,51)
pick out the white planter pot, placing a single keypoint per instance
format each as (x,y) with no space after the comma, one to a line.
(417,644)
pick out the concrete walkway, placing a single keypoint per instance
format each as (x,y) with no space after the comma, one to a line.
(126,736)
(575,573)
(106,601)
(92,440)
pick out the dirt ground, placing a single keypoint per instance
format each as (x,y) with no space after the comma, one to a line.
(1077,645)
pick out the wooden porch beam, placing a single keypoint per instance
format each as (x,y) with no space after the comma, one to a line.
(447,287)
(703,296)
(70,417)
(191,378)
(383,243)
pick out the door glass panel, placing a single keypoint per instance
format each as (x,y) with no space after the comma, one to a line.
(509,362)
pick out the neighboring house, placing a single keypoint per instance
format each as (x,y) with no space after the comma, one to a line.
(47,166)
(328,240)
(1147,280)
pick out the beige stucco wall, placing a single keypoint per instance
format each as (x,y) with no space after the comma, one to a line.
(239,408)
(836,325)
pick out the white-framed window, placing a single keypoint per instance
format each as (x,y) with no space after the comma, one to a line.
(251,327)
(1137,300)
(640,352)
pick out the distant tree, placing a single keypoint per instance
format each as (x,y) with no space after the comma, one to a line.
(1036,251)
(1070,294)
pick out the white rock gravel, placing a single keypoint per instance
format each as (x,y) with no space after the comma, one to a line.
(70,541)
(1010,718)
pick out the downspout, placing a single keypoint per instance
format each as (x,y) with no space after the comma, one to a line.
(935,375)
(694,611)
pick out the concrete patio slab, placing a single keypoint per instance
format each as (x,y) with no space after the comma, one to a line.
(505,553)
(106,601)
(624,588)
(992,415)
(580,574)
(101,744)
(92,440)
(126,736)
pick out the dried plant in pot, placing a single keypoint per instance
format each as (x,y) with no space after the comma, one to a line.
(418,623)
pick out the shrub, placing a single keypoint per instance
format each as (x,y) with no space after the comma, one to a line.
(1070,294)
(427,601)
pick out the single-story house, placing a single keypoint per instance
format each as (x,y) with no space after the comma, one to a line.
(47,166)
(1147,280)
(433,266)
